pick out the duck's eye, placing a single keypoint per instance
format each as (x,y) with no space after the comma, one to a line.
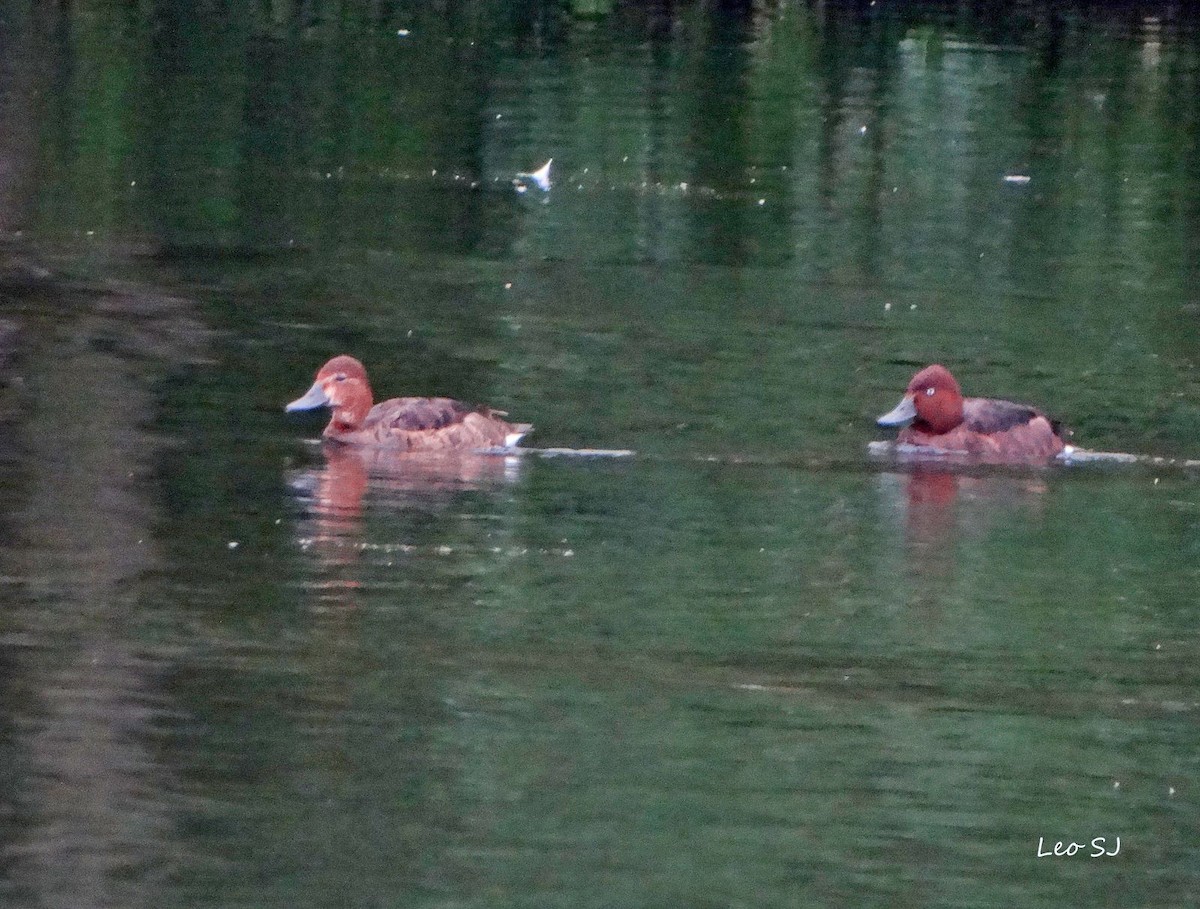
(341,377)
(929,392)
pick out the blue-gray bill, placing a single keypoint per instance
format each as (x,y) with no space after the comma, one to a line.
(904,412)
(313,398)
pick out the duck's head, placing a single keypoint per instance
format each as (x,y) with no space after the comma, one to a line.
(932,402)
(341,384)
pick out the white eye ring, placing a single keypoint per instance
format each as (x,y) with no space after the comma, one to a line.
(929,392)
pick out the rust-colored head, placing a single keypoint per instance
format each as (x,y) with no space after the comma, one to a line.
(932,402)
(341,384)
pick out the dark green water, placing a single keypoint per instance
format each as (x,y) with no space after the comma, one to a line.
(748,667)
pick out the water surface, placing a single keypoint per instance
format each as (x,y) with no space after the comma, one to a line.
(750,666)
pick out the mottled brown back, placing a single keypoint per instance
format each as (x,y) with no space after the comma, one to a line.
(987,415)
(415,414)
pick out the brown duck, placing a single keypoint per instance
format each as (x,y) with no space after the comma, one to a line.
(936,415)
(403,424)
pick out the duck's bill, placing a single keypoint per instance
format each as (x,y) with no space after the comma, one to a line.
(904,412)
(313,398)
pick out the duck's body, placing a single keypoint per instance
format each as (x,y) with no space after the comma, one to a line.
(402,424)
(430,424)
(984,429)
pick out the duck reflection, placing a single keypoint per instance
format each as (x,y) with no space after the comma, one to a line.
(337,490)
(371,533)
(940,508)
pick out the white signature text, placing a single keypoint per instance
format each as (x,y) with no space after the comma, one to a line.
(1096,848)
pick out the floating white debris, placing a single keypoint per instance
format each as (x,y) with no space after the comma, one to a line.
(539,178)
(1072,455)
(510,451)
(402,33)
(762,201)
(232,544)
(1017,178)
(862,130)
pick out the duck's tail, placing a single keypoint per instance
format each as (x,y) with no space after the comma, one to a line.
(519,431)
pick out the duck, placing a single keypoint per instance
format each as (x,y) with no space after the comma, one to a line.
(402,424)
(936,416)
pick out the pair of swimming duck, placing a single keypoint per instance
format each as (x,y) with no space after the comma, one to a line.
(933,411)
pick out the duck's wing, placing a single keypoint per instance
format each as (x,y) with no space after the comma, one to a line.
(417,414)
(988,415)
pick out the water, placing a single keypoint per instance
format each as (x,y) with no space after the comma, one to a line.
(750,666)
